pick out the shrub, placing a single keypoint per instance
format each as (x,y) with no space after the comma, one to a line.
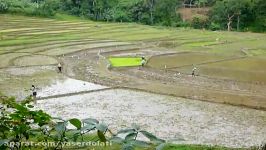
(199,21)
(182,24)
(214,26)
(45,8)
(48,8)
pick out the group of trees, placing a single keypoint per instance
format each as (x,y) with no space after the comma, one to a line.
(222,15)
(45,8)
(198,3)
(142,11)
(239,14)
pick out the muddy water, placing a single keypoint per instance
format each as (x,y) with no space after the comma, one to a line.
(17,82)
(167,117)
(67,86)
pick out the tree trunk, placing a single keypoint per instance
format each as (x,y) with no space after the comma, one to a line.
(94,4)
(238,22)
(229,22)
(190,3)
(151,18)
(229,25)
(151,5)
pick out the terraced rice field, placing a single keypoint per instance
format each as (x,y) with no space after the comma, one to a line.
(183,59)
(30,41)
(230,70)
(244,69)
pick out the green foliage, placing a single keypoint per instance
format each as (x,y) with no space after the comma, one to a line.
(165,12)
(48,8)
(17,120)
(215,26)
(200,21)
(232,14)
(259,8)
(241,15)
(45,8)
(131,135)
(3,6)
(182,24)
(76,123)
(144,11)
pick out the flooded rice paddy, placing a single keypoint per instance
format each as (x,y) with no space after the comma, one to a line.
(242,69)
(167,117)
(34,60)
(68,86)
(183,59)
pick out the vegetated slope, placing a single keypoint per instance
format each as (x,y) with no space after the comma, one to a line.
(244,15)
(126,3)
(187,14)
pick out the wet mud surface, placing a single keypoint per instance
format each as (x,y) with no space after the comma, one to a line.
(168,117)
(67,86)
(163,81)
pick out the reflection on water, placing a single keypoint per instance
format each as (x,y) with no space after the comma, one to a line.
(66,86)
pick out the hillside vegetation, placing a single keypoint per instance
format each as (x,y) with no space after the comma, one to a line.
(240,15)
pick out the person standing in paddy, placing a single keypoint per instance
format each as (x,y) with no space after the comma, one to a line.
(194,72)
(34,91)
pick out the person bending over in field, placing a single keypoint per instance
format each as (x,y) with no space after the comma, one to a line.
(59,66)
(143,61)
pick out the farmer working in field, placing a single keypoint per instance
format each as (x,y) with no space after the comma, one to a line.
(34,91)
(143,61)
(59,66)
(194,71)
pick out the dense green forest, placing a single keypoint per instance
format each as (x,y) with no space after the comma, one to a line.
(239,15)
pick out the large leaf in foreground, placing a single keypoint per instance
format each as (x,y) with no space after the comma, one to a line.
(128,147)
(151,137)
(102,127)
(117,140)
(101,136)
(161,146)
(131,136)
(75,122)
(2,142)
(90,121)
(60,127)
(88,127)
(126,131)
(139,143)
